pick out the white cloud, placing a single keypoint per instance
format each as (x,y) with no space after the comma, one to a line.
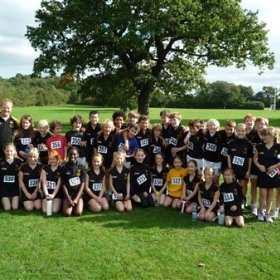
(17,55)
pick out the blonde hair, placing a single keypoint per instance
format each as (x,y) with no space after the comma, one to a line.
(43,123)
(214,121)
(12,145)
(33,152)
(119,153)
(209,169)
(108,122)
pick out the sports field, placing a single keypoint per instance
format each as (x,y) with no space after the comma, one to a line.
(154,243)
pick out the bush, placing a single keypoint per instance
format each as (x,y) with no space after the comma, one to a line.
(253,105)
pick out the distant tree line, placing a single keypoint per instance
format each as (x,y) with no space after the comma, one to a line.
(26,90)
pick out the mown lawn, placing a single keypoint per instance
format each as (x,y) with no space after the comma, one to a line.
(65,112)
(155,243)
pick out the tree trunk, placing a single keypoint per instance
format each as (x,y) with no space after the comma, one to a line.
(144,101)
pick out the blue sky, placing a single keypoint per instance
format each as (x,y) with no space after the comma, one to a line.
(17,56)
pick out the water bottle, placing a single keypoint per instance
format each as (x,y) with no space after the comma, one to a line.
(194,213)
(49,207)
(221,220)
(26,150)
(157,199)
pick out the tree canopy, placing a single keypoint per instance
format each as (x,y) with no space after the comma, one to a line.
(134,47)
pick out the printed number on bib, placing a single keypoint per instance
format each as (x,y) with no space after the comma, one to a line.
(238,160)
(141,179)
(176,181)
(55,145)
(190,146)
(96,187)
(206,202)
(273,173)
(228,197)
(25,141)
(76,141)
(157,182)
(156,150)
(189,192)
(9,179)
(144,142)
(102,149)
(33,183)
(50,185)
(74,181)
(121,147)
(211,147)
(173,141)
(224,151)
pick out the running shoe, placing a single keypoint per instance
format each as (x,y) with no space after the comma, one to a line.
(261,217)
(274,214)
(254,210)
(268,218)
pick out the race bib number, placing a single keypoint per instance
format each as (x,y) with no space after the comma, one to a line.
(211,147)
(224,152)
(25,141)
(273,173)
(40,147)
(228,197)
(56,145)
(121,147)
(190,146)
(33,183)
(91,141)
(173,141)
(97,187)
(156,150)
(50,185)
(157,182)
(176,181)
(114,197)
(144,142)
(189,192)
(75,141)
(102,149)
(141,179)
(9,179)
(206,202)
(238,160)
(74,181)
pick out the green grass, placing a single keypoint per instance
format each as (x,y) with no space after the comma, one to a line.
(65,112)
(155,243)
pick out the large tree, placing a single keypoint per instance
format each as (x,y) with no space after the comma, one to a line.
(138,46)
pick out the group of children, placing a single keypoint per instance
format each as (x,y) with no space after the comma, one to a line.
(169,164)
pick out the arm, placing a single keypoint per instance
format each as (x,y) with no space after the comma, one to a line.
(43,183)
(128,188)
(23,188)
(57,188)
(255,159)
(215,201)
(194,193)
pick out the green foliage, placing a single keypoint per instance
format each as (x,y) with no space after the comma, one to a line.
(133,47)
(26,90)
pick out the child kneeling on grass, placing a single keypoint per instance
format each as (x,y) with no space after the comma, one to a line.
(119,183)
(231,196)
(140,181)
(174,184)
(73,179)
(95,186)
(208,195)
